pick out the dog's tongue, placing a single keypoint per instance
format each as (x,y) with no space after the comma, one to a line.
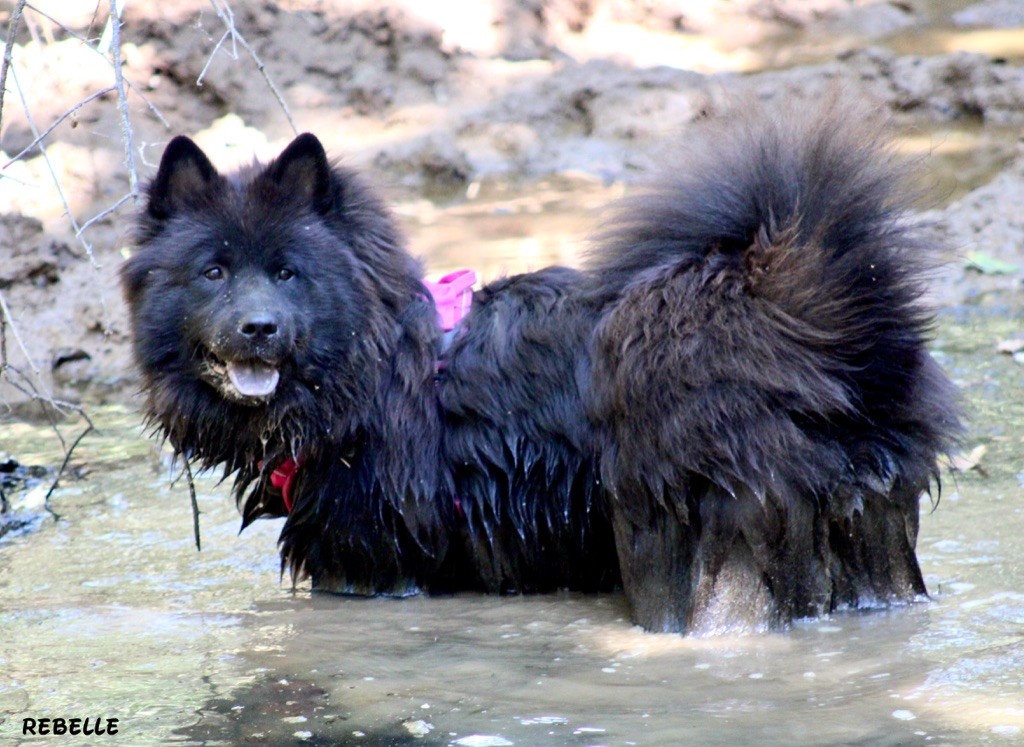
(253,379)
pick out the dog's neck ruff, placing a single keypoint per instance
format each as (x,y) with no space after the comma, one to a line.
(453,296)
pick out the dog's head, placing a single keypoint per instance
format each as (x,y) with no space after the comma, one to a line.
(264,304)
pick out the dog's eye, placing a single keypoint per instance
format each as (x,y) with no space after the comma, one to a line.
(213,273)
(285,274)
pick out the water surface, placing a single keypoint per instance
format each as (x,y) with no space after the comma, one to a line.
(111,612)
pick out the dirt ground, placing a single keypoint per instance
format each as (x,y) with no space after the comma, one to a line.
(473,109)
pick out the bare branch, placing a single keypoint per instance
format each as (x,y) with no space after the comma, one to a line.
(29,390)
(12,33)
(273,88)
(5,313)
(14,377)
(33,385)
(122,100)
(60,191)
(3,336)
(53,175)
(100,216)
(226,15)
(152,107)
(56,123)
(89,428)
(46,402)
(88,45)
(195,503)
(202,73)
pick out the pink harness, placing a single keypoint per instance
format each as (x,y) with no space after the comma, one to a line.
(453,296)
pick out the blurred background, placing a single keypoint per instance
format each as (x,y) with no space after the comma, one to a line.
(497,128)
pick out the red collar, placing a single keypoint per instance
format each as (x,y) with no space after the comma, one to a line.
(283,478)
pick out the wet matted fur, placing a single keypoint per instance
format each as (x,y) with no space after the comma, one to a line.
(729,410)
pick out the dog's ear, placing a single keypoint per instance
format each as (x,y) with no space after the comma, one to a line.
(184,177)
(303,170)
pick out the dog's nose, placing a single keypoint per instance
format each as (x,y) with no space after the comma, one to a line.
(258,326)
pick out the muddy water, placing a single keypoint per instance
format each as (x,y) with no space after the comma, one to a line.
(937,33)
(110,612)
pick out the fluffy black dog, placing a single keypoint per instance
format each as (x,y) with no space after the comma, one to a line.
(730,411)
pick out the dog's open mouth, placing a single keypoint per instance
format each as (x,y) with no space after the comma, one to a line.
(253,379)
(246,381)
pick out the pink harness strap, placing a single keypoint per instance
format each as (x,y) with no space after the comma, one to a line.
(453,295)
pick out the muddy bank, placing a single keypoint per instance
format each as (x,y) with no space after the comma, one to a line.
(494,129)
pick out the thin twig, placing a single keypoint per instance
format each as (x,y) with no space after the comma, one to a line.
(152,107)
(195,503)
(5,313)
(89,428)
(53,172)
(88,45)
(226,15)
(60,191)
(100,216)
(8,372)
(263,71)
(56,123)
(12,375)
(16,180)
(220,42)
(12,33)
(5,365)
(122,101)
(58,405)
(29,390)
(49,405)
(3,337)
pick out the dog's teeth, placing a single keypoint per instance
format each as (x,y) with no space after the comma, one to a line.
(253,379)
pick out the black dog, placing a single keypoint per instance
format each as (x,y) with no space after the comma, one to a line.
(730,411)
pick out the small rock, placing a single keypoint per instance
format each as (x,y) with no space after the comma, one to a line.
(483,740)
(1012,346)
(418,728)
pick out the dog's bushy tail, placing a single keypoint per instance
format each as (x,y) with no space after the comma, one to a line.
(760,369)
